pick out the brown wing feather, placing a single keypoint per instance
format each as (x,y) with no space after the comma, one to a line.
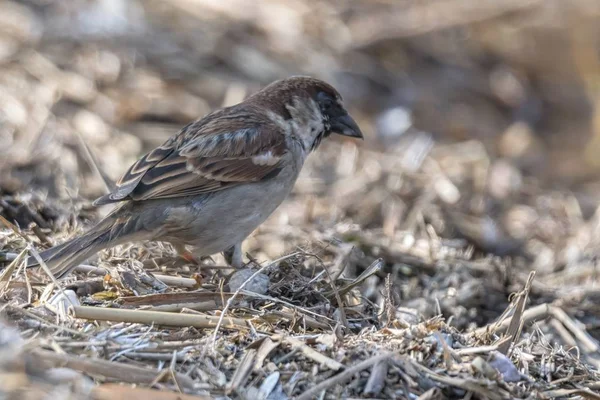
(228,147)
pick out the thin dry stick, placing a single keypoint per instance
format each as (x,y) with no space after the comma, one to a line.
(475,387)
(533,314)
(242,372)
(164,299)
(154,317)
(93,163)
(589,344)
(48,272)
(7,273)
(108,369)
(12,227)
(313,354)
(169,372)
(242,286)
(45,322)
(41,235)
(371,270)
(376,381)
(340,264)
(114,391)
(178,307)
(343,376)
(585,393)
(308,321)
(476,350)
(563,332)
(338,298)
(516,322)
(177,281)
(288,304)
(27,283)
(266,347)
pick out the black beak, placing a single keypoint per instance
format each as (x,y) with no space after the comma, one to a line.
(346,126)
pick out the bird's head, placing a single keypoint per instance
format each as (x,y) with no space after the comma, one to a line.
(312,108)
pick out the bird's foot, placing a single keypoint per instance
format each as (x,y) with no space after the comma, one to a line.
(189,257)
(233,256)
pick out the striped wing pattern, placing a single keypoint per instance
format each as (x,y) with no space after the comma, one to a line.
(230,146)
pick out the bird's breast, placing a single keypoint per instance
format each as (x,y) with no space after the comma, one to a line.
(218,221)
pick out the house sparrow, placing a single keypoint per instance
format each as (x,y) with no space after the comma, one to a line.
(215,181)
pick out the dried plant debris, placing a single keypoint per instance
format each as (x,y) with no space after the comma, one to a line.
(398,268)
(295,340)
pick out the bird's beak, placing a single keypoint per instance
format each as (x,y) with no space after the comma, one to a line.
(346,126)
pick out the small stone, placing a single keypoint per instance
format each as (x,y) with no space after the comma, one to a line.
(274,248)
(505,367)
(393,123)
(104,107)
(12,111)
(105,65)
(504,179)
(519,220)
(91,126)
(517,141)
(129,145)
(76,88)
(8,48)
(259,284)
(19,22)
(507,86)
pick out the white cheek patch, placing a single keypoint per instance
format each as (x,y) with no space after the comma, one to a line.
(267,158)
(307,121)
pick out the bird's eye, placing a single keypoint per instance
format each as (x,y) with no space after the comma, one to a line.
(325,101)
(327,104)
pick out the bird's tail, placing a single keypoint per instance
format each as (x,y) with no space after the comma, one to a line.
(63,258)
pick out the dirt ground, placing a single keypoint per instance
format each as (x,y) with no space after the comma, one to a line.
(452,254)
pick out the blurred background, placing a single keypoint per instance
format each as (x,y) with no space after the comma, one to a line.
(481,122)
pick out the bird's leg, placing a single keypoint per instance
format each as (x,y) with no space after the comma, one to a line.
(233,256)
(186,254)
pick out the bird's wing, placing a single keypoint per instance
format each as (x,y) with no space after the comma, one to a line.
(227,147)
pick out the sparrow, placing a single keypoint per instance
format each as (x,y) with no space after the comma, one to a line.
(215,181)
